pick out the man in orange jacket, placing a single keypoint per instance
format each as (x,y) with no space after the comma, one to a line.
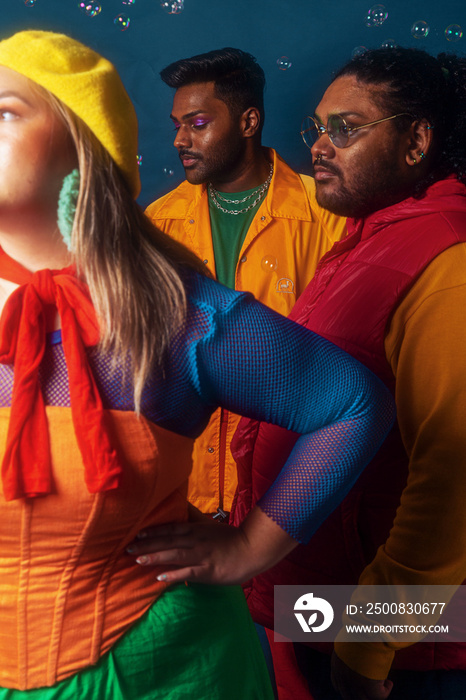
(253,221)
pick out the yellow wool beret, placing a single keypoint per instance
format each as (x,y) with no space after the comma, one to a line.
(86,83)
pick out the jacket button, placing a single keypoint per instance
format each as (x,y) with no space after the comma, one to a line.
(191,221)
(262,218)
(243,259)
(210,449)
(205,262)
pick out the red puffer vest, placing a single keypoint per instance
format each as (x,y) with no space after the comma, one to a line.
(357,287)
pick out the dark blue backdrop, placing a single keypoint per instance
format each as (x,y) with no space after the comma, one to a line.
(316,37)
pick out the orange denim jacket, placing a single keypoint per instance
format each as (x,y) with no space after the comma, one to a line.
(290,230)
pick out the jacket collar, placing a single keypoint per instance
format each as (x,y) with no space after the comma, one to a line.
(442,196)
(286,198)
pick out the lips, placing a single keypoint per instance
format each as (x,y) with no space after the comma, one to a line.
(188,162)
(188,159)
(321,174)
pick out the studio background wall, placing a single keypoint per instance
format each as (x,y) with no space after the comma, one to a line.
(299,44)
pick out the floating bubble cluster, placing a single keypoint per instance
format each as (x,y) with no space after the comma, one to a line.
(139,159)
(376,16)
(173,7)
(284,63)
(358,51)
(453,32)
(168,172)
(128,2)
(122,22)
(91,8)
(420,29)
(269,263)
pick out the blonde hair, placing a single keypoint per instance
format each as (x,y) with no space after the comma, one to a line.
(131,268)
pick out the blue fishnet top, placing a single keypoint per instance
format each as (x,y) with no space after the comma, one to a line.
(236,353)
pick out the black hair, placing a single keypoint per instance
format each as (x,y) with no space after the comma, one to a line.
(238,78)
(427,88)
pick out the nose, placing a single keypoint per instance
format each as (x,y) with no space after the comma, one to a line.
(183,137)
(323,147)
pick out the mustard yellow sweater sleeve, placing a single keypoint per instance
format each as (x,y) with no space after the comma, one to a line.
(426,348)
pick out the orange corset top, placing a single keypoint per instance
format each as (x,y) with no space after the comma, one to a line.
(68,589)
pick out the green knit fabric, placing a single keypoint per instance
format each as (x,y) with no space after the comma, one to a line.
(196,642)
(228,234)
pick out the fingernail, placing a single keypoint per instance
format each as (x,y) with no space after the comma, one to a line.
(142,560)
(162,577)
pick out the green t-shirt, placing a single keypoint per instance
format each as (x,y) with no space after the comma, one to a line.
(229,232)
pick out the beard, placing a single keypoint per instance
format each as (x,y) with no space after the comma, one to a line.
(218,164)
(368,188)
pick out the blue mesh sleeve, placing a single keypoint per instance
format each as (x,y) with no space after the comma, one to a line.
(318,474)
(256,362)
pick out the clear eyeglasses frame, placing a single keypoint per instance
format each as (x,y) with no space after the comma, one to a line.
(338,130)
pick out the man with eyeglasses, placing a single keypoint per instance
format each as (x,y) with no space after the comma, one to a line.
(389,151)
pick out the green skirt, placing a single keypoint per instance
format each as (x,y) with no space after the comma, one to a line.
(196,642)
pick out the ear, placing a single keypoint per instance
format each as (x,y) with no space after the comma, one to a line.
(419,142)
(250,122)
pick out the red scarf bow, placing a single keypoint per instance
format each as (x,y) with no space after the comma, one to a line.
(26,466)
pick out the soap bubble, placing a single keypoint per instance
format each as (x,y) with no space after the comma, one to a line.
(173,7)
(453,32)
(284,63)
(168,172)
(29,3)
(388,44)
(376,16)
(128,2)
(91,8)
(269,263)
(122,22)
(358,51)
(139,159)
(420,29)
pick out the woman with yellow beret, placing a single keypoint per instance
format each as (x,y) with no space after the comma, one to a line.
(115,347)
